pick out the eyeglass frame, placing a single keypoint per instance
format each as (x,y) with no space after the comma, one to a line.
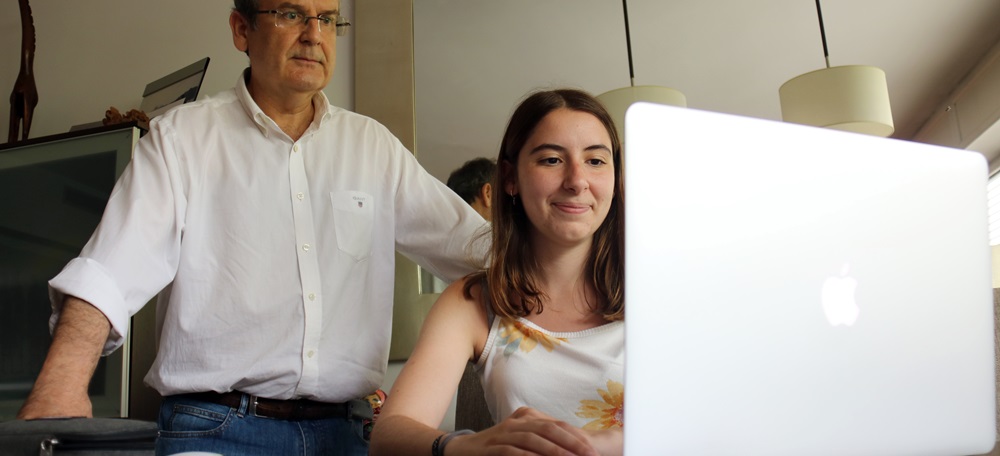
(340,23)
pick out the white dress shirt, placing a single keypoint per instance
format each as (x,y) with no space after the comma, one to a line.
(275,257)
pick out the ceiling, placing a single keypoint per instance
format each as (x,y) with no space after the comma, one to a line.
(474,60)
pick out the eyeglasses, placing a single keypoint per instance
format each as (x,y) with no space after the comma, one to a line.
(292,19)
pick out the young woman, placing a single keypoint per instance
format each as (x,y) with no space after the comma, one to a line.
(544,324)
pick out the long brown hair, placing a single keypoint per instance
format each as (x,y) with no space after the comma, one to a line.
(513,269)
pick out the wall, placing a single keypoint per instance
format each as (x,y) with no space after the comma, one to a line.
(100,53)
(385,66)
(970,116)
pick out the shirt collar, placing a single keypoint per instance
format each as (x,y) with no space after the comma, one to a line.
(263,122)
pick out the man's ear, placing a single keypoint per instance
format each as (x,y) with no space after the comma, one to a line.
(240,28)
(486,195)
(508,177)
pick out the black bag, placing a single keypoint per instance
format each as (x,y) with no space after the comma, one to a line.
(78,436)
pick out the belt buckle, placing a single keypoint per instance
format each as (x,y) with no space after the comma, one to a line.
(252,407)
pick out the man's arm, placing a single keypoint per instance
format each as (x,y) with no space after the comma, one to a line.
(61,387)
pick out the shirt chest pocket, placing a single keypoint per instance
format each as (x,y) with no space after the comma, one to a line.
(354,219)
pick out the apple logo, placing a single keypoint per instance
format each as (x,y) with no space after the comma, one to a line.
(838,298)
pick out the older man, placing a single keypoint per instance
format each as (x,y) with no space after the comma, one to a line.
(269,220)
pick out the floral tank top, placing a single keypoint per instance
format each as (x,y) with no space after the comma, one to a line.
(572,376)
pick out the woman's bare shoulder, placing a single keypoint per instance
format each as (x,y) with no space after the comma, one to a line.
(454,295)
(467,310)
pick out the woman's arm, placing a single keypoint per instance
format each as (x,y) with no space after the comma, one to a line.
(453,333)
(420,396)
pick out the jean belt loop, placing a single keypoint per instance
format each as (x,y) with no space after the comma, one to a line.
(252,404)
(244,404)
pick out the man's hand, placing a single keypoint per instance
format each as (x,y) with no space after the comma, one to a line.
(61,388)
(40,405)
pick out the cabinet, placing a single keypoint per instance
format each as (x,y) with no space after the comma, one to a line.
(54,192)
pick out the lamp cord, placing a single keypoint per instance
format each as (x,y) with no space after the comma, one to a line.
(822,33)
(628,44)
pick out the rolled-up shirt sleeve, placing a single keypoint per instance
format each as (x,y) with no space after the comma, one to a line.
(133,253)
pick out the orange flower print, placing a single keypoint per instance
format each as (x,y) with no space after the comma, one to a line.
(516,335)
(607,414)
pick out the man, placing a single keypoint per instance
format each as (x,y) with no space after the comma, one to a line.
(269,219)
(472,181)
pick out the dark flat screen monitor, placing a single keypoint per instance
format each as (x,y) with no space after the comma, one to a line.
(53,195)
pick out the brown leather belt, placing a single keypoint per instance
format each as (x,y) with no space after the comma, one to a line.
(290,410)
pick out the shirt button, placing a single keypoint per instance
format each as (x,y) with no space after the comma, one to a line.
(311,353)
(305,247)
(295,148)
(312,296)
(301,196)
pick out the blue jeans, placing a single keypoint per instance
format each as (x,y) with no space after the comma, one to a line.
(191,425)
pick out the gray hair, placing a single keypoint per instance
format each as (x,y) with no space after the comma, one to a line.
(247,9)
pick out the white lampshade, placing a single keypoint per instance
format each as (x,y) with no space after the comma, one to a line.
(851,98)
(618,100)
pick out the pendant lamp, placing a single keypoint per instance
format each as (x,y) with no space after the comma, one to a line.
(617,101)
(850,98)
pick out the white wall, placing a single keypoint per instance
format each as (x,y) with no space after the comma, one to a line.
(100,53)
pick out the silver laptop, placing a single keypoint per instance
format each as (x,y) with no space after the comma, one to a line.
(801,291)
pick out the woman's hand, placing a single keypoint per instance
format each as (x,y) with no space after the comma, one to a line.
(608,442)
(525,432)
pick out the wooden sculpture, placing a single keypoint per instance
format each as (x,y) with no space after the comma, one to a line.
(24,98)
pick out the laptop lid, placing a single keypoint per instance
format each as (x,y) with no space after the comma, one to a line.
(181,86)
(794,290)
